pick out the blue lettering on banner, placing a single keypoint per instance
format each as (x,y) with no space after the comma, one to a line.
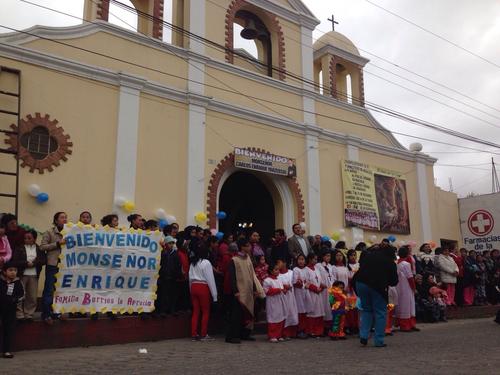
(99,239)
(120,239)
(66,281)
(117,261)
(71,260)
(145,282)
(81,281)
(88,239)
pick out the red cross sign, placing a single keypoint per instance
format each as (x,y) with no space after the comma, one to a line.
(481,222)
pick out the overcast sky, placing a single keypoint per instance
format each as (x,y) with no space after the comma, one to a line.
(473,25)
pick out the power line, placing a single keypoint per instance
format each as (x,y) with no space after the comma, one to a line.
(433,34)
(212,44)
(237,92)
(378,107)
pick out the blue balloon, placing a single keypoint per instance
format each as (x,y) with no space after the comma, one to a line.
(162,223)
(221,215)
(391,238)
(42,197)
(219,235)
(325,239)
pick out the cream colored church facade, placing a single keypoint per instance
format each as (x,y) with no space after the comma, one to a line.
(158,124)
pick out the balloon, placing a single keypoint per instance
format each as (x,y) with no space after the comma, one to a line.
(160,213)
(325,239)
(391,238)
(303,225)
(120,201)
(332,241)
(162,223)
(219,235)
(34,190)
(200,217)
(373,238)
(412,243)
(213,231)
(129,206)
(171,219)
(221,215)
(402,243)
(42,197)
(342,231)
(336,236)
(432,244)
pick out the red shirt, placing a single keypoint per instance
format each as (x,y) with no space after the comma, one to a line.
(460,263)
(183,257)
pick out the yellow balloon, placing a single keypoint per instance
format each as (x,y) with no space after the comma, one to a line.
(335,236)
(129,206)
(200,217)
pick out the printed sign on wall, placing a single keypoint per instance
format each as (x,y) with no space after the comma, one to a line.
(264,162)
(479,222)
(374,198)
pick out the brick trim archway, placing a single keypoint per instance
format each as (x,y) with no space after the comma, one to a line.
(215,180)
(275,26)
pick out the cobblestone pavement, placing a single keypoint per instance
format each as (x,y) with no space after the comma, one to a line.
(458,347)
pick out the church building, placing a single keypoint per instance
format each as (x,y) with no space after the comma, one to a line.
(197,126)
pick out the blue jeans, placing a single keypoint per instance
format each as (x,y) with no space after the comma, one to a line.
(48,290)
(374,306)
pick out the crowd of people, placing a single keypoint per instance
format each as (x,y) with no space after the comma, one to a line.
(306,286)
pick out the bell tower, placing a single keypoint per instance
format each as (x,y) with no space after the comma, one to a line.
(99,10)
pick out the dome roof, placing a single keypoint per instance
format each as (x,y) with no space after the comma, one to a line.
(337,40)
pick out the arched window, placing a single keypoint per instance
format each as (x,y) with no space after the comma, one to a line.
(263,29)
(123,16)
(253,34)
(348,82)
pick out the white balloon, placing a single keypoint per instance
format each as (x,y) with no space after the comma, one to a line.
(333,242)
(34,190)
(120,201)
(160,213)
(170,218)
(303,225)
(342,231)
(373,238)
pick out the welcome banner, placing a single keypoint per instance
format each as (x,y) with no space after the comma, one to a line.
(374,198)
(106,270)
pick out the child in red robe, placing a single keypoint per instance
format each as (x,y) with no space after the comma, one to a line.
(337,300)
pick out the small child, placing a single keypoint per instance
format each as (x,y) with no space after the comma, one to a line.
(393,301)
(275,305)
(11,292)
(261,268)
(170,271)
(337,299)
(292,315)
(325,270)
(300,292)
(352,315)
(30,259)
(315,305)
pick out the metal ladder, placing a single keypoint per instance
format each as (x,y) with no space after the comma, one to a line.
(10,109)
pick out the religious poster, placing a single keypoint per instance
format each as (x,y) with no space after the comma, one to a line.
(264,162)
(107,270)
(374,198)
(479,218)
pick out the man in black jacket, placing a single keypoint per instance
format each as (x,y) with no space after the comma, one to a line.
(377,271)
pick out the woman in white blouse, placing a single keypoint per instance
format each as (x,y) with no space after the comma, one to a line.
(202,285)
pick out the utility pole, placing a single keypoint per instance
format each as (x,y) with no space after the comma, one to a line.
(495,184)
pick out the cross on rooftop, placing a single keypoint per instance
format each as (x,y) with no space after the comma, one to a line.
(332,20)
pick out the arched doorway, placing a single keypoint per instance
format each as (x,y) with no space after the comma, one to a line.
(249,205)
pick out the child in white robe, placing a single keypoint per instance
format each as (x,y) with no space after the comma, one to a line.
(300,292)
(292,315)
(315,305)
(275,305)
(325,270)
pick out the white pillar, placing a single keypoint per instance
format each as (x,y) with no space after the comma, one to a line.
(196,116)
(353,154)
(312,141)
(126,140)
(423,195)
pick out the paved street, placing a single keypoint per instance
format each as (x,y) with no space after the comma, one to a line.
(458,347)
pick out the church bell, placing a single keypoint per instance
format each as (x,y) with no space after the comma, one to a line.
(250,31)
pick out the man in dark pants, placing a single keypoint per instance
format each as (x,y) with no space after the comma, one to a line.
(245,287)
(170,272)
(377,271)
